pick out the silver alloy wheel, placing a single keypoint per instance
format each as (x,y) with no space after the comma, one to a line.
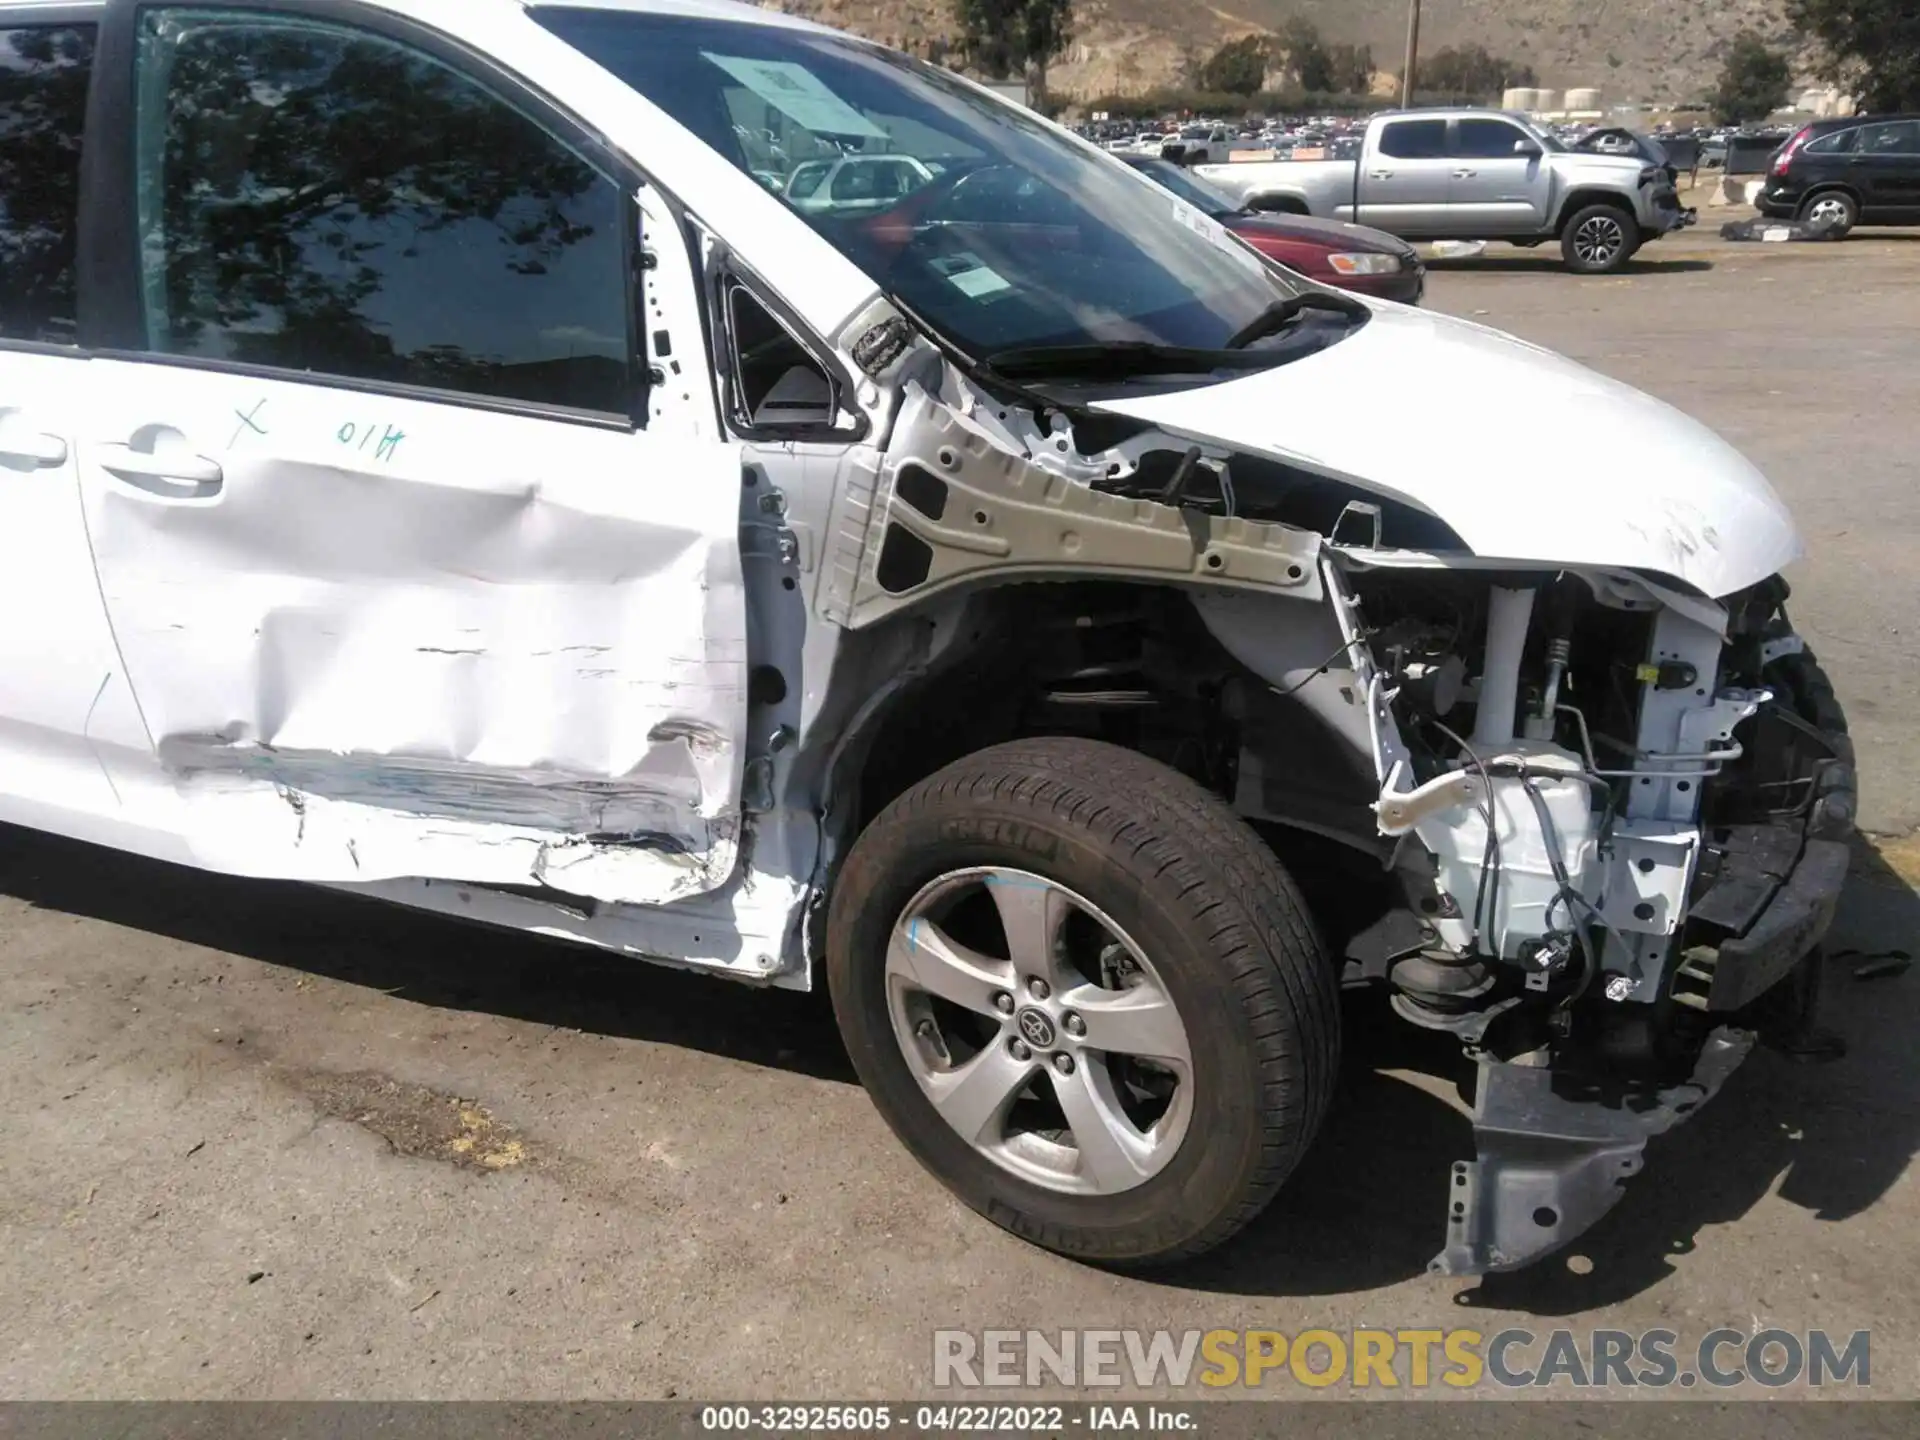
(1827,210)
(1599,240)
(1085,1084)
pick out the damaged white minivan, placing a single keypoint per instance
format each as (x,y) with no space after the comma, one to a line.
(662,475)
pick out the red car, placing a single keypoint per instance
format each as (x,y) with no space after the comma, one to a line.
(1350,257)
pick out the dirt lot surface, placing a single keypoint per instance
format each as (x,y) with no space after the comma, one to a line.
(269,1142)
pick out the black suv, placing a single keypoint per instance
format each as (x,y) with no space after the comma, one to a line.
(1860,171)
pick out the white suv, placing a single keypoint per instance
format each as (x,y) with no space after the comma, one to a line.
(855,183)
(434,462)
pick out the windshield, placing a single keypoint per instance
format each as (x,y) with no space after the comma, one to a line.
(1183,186)
(1549,142)
(997,230)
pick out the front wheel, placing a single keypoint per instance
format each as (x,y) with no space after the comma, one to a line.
(1087,997)
(1599,240)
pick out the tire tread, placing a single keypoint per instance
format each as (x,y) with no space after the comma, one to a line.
(1232,891)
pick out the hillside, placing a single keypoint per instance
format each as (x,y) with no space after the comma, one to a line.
(1632,49)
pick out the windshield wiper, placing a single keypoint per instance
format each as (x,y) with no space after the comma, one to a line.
(1282,313)
(1118,360)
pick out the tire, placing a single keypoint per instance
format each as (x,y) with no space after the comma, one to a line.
(1599,240)
(1836,205)
(1811,694)
(1209,917)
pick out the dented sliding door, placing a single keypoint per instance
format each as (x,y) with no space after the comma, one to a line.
(376,637)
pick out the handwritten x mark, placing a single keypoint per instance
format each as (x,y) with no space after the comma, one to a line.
(248,422)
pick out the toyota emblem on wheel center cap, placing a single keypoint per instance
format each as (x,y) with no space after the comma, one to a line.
(1036,1027)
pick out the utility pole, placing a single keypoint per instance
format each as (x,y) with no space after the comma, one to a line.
(1413,55)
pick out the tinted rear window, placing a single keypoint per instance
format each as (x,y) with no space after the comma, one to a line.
(1839,143)
(1415,140)
(43,108)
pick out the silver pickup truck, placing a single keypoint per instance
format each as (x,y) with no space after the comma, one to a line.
(1474,175)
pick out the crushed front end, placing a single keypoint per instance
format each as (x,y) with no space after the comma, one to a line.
(1567,711)
(1620,816)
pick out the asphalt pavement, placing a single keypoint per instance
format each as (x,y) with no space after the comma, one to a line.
(270,1142)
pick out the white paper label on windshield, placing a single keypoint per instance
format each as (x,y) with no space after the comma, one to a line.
(799,94)
(1201,225)
(971,278)
(979,282)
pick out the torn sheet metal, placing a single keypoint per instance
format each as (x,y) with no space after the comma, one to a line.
(950,505)
(1553,1160)
(480,647)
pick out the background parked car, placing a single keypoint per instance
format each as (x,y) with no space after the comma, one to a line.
(1473,174)
(855,182)
(1200,145)
(1858,171)
(1352,257)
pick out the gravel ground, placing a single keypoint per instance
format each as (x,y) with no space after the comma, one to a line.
(272,1142)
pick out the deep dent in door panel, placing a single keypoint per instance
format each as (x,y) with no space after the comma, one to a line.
(518,674)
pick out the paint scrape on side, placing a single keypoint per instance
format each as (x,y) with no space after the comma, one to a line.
(649,837)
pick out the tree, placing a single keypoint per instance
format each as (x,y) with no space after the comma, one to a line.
(1307,53)
(1471,70)
(1872,48)
(1350,69)
(1237,68)
(1007,37)
(1753,81)
(1325,69)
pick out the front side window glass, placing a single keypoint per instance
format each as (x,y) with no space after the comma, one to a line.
(318,198)
(1486,140)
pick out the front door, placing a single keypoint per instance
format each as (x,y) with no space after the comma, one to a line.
(413,570)
(1404,180)
(1494,190)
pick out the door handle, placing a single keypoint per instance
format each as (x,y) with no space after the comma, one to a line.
(1379,175)
(136,466)
(35,451)
(1465,174)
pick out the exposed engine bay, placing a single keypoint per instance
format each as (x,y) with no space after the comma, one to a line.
(1579,866)
(1592,815)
